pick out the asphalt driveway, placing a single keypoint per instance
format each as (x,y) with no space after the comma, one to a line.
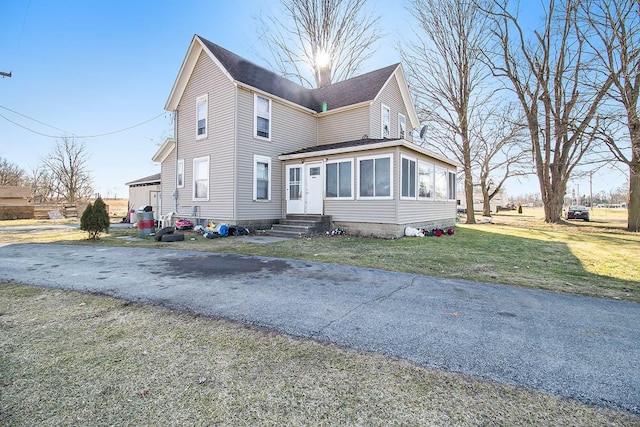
(582,348)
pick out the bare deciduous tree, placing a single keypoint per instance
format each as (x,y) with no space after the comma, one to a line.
(613,31)
(552,76)
(41,185)
(67,169)
(499,151)
(447,73)
(317,42)
(10,173)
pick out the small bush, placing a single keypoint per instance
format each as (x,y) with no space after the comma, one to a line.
(95,219)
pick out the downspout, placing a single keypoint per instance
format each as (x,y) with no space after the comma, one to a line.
(175,181)
(234,210)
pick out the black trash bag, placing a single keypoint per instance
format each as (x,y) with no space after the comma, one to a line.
(237,230)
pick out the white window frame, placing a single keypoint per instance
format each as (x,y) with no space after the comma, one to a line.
(261,159)
(203,99)
(402,123)
(338,161)
(382,120)
(433,177)
(444,170)
(375,157)
(255,117)
(415,178)
(180,174)
(197,160)
(452,191)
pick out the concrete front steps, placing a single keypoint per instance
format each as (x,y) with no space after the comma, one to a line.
(301,225)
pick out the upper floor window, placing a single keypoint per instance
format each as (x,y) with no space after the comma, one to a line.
(201,116)
(376,178)
(386,121)
(262,117)
(402,126)
(201,178)
(261,178)
(180,174)
(340,179)
(408,178)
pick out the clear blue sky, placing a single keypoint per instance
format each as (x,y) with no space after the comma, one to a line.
(95,67)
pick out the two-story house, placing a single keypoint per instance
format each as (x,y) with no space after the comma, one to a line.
(252,147)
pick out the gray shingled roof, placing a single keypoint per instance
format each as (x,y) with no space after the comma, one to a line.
(348,92)
(346,144)
(151,179)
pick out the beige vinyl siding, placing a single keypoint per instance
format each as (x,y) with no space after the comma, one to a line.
(413,211)
(344,126)
(392,98)
(420,210)
(362,210)
(168,183)
(386,211)
(373,211)
(291,129)
(207,78)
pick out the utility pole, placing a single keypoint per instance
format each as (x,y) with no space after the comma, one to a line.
(3,74)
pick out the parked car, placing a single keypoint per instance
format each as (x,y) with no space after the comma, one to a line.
(578,212)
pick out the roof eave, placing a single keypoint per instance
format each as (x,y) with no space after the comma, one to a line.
(344,108)
(422,150)
(383,144)
(344,150)
(250,88)
(165,149)
(188,64)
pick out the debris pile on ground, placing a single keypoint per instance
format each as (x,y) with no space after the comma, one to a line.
(167,234)
(422,232)
(336,232)
(211,231)
(184,224)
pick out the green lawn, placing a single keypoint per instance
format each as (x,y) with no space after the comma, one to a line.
(597,258)
(69,358)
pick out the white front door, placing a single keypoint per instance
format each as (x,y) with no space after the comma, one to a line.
(314,186)
(295,186)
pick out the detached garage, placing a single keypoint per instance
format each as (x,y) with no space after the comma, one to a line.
(145,192)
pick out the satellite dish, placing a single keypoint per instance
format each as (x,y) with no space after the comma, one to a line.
(423,131)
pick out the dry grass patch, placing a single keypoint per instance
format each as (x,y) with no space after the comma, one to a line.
(74,359)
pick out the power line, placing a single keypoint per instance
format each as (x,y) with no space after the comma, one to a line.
(35,120)
(67,133)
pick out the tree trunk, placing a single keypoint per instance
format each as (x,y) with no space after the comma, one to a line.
(486,202)
(553,200)
(468,193)
(633,209)
(634,199)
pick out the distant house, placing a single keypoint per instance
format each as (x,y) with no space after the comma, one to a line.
(14,196)
(145,192)
(251,148)
(14,202)
(499,200)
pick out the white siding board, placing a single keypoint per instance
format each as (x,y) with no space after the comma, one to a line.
(291,130)
(412,211)
(345,126)
(392,98)
(219,144)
